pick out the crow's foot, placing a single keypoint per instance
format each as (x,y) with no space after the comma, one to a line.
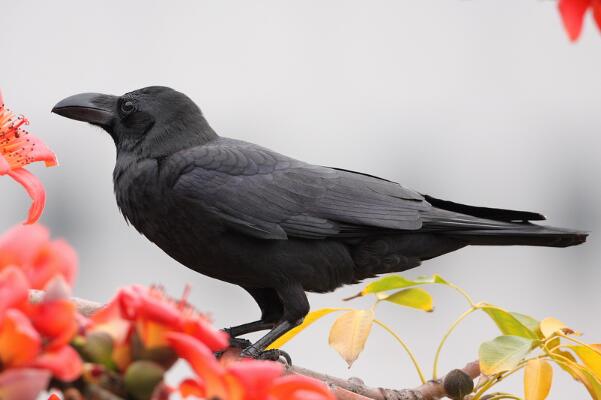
(272,355)
(240,343)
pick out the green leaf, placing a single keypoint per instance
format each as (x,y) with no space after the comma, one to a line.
(432,279)
(508,323)
(414,298)
(309,319)
(503,353)
(527,321)
(392,282)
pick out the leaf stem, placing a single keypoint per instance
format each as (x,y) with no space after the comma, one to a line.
(445,337)
(498,379)
(422,377)
(499,396)
(463,293)
(580,343)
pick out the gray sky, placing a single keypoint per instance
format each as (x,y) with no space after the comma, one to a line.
(483,102)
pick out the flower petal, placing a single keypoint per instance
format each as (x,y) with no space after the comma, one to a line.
(252,377)
(191,387)
(20,244)
(202,361)
(152,333)
(14,288)
(199,327)
(572,13)
(53,258)
(110,320)
(20,343)
(56,321)
(64,363)
(154,306)
(597,12)
(18,147)
(297,387)
(35,189)
(23,383)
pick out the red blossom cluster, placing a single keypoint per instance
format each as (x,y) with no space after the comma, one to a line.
(136,338)
(34,338)
(148,331)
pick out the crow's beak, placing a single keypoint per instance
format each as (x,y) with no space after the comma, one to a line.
(95,108)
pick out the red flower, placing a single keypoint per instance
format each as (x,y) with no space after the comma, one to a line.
(241,380)
(150,315)
(30,249)
(19,148)
(36,335)
(573,11)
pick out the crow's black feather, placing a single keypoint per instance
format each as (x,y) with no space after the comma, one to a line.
(274,225)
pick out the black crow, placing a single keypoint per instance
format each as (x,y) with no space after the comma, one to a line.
(276,226)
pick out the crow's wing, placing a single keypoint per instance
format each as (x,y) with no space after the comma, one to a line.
(267,195)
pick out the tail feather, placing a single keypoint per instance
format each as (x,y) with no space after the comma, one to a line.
(485,226)
(525,234)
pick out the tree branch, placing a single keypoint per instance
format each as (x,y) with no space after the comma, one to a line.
(344,389)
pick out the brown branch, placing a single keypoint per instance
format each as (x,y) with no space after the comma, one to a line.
(344,389)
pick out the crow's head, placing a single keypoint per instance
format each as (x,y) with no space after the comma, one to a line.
(154,121)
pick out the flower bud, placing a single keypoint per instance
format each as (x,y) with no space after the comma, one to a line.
(457,384)
(141,378)
(98,348)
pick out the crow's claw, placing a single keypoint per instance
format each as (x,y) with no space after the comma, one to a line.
(271,355)
(240,343)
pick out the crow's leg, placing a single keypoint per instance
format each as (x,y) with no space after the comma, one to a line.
(296,307)
(271,312)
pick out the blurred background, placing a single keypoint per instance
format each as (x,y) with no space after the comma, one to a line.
(482,102)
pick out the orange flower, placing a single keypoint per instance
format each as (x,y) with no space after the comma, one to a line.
(30,248)
(241,380)
(573,12)
(19,148)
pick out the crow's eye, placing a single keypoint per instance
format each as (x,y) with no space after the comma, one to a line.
(127,107)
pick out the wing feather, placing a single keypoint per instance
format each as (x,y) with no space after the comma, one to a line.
(267,195)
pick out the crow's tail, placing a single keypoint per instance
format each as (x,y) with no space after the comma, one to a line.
(523,234)
(485,226)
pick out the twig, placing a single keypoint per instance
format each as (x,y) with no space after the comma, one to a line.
(344,389)
(431,390)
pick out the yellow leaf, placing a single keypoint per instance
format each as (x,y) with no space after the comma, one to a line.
(591,357)
(538,376)
(579,372)
(309,319)
(592,385)
(349,333)
(551,326)
(414,298)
